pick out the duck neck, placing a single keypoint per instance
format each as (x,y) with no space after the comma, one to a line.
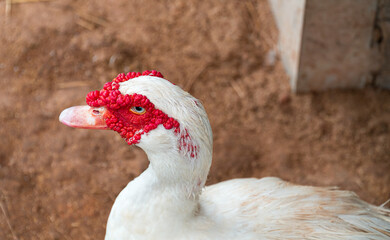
(179,167)
(166,198)
(179,174)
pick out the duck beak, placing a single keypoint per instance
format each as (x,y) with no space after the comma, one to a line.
(84,117)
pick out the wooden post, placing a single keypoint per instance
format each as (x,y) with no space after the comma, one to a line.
(333,42)
(382,41)
(289,19)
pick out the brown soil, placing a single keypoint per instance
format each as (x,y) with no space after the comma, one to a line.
(60,183)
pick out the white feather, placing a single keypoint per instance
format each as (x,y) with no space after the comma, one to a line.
(166,201)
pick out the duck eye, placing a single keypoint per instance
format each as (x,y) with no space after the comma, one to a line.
(138,110)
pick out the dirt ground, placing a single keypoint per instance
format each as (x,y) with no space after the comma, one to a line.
(60,183)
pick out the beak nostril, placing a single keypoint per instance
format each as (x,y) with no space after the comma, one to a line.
(96,112)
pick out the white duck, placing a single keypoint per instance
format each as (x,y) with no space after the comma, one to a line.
(169,200)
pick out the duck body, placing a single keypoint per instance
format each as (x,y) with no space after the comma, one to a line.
(169,200)
(267,208)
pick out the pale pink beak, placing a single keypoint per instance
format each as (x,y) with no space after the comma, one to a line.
(84,117)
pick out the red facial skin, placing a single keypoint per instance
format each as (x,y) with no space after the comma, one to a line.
(129,124)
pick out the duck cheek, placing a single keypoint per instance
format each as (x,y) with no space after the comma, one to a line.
(132,127)
(128,125)
(159,140)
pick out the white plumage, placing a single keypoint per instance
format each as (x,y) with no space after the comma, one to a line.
(169,200)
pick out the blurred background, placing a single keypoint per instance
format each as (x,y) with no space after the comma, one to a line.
(60,183)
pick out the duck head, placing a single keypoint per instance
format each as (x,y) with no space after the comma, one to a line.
(152,113)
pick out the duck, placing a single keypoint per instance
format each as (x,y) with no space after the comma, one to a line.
(169,200)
